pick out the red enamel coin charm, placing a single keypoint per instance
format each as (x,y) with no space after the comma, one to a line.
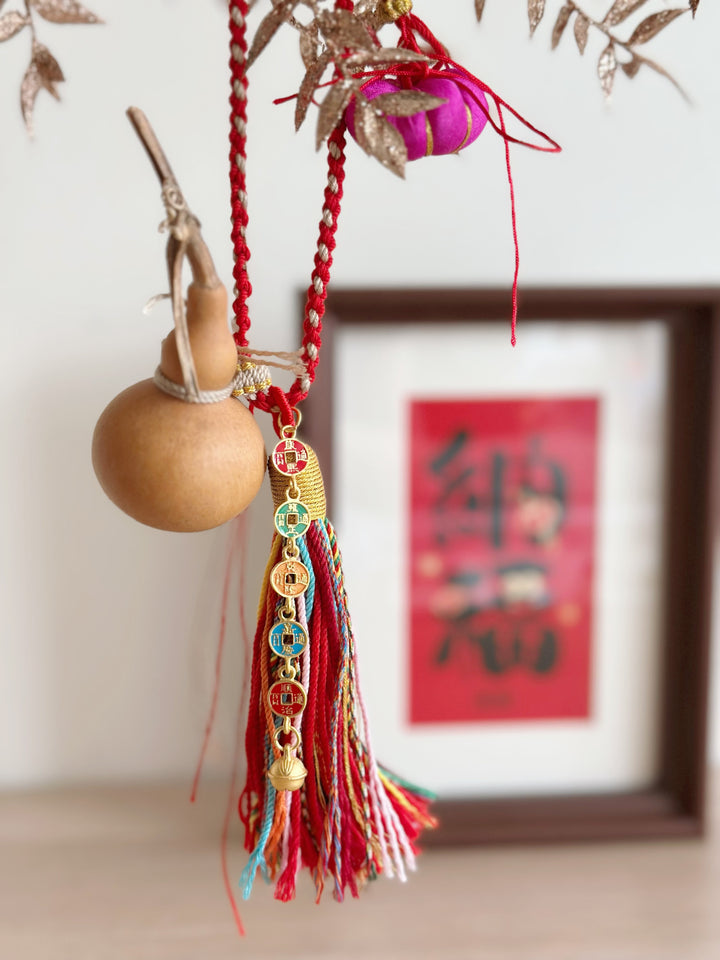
(290,457)
(287,698)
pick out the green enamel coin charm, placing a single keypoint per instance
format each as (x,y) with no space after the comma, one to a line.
(292,519)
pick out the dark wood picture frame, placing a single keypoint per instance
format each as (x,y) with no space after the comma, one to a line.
(675,805)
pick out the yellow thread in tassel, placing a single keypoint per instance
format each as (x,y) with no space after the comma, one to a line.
(355,805)
(404,802)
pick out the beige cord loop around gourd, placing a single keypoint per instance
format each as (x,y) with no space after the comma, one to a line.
(247,382)
(178,391)
(309,483)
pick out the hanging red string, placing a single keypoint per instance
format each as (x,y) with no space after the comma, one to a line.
(411,26)
(237,547)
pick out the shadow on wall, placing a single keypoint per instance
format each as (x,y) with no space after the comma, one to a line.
(125,629)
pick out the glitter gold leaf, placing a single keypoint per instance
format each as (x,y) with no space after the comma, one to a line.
(307,88)
(664,73)
(405,104)
(64,11)
(479,8)
(309,44)
(369,12)
(378,137)
(12,23)
(562,21)
(382,55)
(391,150)
(368,125)
(48,69)
(631,67)
(344,30)
(269,26)
(366,122)
(621,10)
(607,65)
(29,89)
(652,25)
(536,9)
(333,107)
(43,73)
(581,27)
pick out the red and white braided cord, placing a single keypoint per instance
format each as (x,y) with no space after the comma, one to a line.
(238,158)
(276,400)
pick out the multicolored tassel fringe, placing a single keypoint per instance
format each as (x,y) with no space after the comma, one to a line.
(350,820)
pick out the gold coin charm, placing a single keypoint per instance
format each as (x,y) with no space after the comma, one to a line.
(290,578)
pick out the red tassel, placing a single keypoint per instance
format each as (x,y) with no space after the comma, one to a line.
(346,820)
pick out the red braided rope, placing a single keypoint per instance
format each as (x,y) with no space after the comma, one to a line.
(238,156)
(317,291)
(276,400)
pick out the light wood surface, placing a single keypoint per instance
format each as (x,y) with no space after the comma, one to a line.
(134,874)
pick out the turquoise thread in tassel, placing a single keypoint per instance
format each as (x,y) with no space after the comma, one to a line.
(257,858)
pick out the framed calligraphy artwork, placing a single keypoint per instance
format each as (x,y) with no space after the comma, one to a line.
(500,586)
(527,537)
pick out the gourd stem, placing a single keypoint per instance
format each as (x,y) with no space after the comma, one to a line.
(198,254)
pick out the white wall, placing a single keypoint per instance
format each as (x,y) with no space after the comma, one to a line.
(108,627)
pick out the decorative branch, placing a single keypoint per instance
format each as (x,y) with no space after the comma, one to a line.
(43,72)
(340,49)
(618,13)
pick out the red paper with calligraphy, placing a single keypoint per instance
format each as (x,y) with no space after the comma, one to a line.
(502,536)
